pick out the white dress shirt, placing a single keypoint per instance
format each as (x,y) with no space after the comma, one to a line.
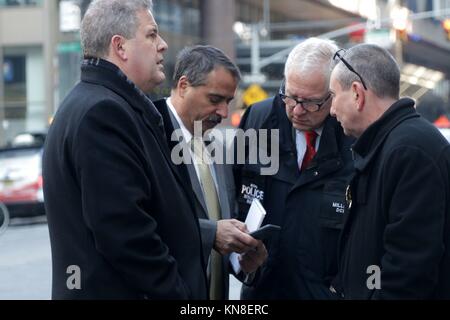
(187,135)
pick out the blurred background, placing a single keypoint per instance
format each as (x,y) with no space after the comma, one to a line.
(40,56)
(40,49)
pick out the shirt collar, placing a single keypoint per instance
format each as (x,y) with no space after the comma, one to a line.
(186,133)
(318,131)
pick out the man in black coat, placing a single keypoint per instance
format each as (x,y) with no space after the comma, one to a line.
(305,196)
(396,238)
(120,218)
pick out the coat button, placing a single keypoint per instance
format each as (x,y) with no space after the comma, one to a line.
(316,173)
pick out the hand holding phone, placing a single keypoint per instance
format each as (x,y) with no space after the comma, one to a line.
(265,232)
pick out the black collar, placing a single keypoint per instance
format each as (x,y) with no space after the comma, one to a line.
(100,71)
(368,144)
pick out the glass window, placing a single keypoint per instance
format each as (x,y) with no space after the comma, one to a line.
(14,86)
(23,87)
(178,17)
(10,3)
(15,101)
(412,5)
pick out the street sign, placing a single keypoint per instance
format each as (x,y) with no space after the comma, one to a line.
(254,78)
(380,37)
(65,47)
(254,94)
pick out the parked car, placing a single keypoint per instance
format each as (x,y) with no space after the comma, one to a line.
(21,175)
(445,132)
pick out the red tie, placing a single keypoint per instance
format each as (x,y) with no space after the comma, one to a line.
(310,148)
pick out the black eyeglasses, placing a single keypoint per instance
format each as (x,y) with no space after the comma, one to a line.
(340,54)
(308,105)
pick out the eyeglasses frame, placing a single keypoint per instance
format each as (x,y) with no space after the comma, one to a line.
(349,67)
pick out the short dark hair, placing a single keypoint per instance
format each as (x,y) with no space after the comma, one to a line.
(376,66)
(197,62)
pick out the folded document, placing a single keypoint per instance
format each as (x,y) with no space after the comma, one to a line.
(255,217)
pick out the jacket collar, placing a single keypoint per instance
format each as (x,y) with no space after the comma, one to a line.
(100,71)
(327,157)
(328,142)
(368,144)
(278,119)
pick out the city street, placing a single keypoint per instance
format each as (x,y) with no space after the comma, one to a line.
(25,263)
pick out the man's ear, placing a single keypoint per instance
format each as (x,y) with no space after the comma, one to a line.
(182,85)
(358,95)
(118,47)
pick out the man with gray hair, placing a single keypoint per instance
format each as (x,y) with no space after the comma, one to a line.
(396,239)
(306,196)
(120,216)
(204,83)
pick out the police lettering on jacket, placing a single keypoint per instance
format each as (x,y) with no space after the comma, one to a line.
(251,192)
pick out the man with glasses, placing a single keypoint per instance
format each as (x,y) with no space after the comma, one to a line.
(306,197)
(396,239)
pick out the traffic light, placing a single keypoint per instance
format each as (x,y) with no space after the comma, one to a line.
(401,22)
(446,26)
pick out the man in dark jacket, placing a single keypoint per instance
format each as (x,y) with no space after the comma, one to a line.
(120,218)
(396,238)
(204,83)
(305,196)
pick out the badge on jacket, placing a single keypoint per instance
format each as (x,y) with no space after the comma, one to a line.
(348,197)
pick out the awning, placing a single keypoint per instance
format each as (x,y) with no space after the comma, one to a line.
(416,80)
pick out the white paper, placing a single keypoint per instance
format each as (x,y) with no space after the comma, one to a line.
(253,221)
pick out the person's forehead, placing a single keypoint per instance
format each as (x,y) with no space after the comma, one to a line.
(332,81)
(146,19)
(335,85)
(306,84)
(220,76)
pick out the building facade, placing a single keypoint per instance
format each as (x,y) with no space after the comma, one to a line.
(40,47)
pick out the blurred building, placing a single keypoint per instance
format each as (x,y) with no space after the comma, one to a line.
(40,49)
(26,46)
(40,53)
(411,29)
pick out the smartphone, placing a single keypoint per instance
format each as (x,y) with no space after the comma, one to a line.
(265,231)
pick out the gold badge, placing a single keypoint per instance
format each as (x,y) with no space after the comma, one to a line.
(348,197)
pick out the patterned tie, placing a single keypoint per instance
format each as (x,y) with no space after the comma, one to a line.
(310,148)
(213,207)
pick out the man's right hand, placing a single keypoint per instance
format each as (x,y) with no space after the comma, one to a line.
(232,236)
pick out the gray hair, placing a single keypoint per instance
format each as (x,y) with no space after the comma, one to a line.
(376,66)
(197,62)
(106,18)
(310,55)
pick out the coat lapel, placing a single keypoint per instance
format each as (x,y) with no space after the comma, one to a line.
(137,100)
(222,191)
(188,171)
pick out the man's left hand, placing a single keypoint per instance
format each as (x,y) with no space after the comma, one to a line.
(251,260)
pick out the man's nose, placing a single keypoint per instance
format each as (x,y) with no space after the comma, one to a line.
(332,110)
(162,45)
(298,109)
(222,110)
